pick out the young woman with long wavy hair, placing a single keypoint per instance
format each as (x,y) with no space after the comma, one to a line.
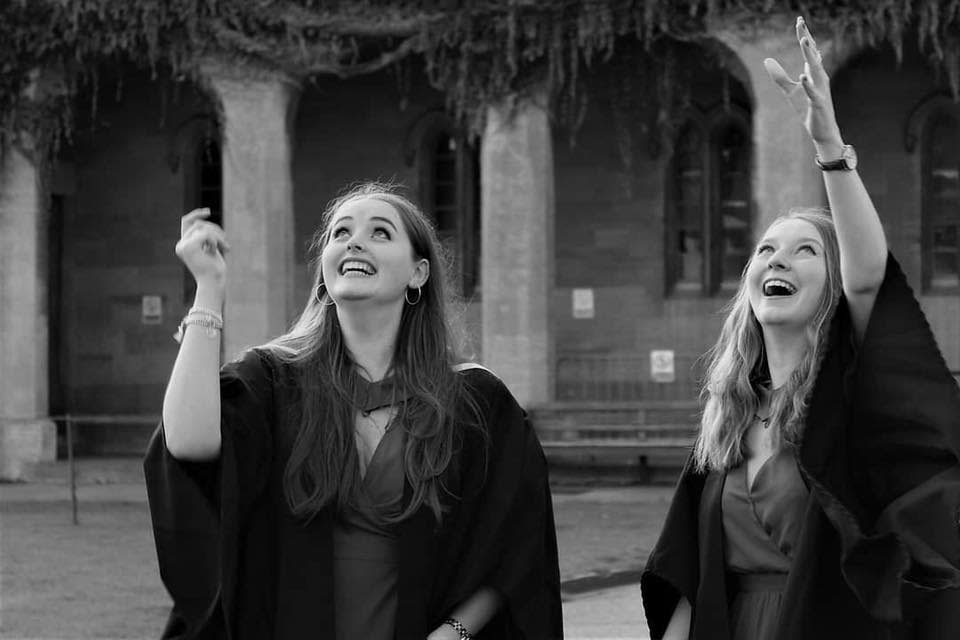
(350,478)
(822,496)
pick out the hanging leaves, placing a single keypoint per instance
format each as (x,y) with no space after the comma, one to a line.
(478,52)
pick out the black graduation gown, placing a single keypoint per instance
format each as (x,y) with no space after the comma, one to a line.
(238,565)
(879,555)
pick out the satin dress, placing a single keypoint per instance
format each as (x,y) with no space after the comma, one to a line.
(365,546)
(762,524)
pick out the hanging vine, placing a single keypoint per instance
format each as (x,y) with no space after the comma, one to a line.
(477,52)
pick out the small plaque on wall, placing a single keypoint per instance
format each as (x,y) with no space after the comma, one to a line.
(583,303)
(151,310)
(661,366)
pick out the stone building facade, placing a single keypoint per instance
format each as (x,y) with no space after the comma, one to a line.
(574,263)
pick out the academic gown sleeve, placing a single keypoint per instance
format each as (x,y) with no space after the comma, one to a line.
(672,570)
(504,535)
(897,509)
(197,508)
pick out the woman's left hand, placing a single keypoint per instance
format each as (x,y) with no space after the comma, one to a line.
(810,94)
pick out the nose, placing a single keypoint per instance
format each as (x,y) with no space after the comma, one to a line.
(354,243)
(778,261)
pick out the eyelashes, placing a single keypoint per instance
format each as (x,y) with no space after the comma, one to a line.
(766,248)
(382,232)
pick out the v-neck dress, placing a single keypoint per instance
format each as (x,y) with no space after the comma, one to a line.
(365,547)
(761,525)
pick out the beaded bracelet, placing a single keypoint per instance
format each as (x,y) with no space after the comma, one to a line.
(210,320)
(459,628)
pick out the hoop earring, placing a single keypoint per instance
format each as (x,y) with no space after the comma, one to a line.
(316,294)
(407,298)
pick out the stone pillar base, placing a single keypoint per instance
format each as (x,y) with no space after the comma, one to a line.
(24,443)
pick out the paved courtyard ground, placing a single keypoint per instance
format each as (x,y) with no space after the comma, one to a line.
(99,580)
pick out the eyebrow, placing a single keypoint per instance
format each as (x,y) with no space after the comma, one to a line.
(799,241)
(380,218)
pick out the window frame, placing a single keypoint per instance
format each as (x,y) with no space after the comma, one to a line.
(465,262)
(932,116)
(710,125)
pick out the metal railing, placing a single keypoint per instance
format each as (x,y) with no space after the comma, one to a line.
(70,420)
(601,377)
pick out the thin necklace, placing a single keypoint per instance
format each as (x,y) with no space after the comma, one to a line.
(764,421)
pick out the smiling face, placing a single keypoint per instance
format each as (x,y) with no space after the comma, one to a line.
(368,256)
(787,275)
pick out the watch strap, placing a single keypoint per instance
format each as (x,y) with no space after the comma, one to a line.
(833,165)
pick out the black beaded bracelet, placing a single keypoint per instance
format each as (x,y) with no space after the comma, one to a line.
(459,628)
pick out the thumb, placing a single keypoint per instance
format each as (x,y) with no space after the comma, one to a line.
(779,76)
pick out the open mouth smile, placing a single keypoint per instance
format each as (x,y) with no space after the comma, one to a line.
(357,267)
(776,288)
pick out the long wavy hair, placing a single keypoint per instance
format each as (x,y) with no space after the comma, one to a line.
(737,364)
(323,465)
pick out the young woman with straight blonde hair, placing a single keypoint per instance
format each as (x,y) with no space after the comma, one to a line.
(822,498)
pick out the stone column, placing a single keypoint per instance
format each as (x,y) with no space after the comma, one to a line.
(517,209)
(257,108)
(784,172)
(27,435)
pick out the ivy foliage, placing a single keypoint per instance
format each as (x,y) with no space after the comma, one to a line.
(476,51)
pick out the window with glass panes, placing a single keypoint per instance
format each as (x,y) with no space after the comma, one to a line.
(731,201)
(685,241)
(709,214)
(450,193)
(941,201)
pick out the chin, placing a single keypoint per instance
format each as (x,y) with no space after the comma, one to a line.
(783,319)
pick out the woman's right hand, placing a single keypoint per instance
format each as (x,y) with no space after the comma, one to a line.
(202,247)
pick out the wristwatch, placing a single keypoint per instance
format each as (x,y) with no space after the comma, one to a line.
(846,162)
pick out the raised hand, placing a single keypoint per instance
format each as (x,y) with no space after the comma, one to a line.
(810,93)
(202,247)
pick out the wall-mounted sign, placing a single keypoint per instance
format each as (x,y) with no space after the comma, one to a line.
(151,310)
(661,366)
(583,303)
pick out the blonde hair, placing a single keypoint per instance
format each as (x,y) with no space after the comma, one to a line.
(737,364)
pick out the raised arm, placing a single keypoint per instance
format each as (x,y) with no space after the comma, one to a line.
(191,405)
(863,246)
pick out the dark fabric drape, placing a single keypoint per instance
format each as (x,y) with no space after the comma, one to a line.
(879,556)
(238,565)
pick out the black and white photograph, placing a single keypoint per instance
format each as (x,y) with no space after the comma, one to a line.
(480,319)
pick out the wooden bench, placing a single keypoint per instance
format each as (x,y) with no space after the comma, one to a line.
(639,436)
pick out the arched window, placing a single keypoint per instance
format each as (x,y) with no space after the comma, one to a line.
(941,200)
(708,220)
(449,192)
